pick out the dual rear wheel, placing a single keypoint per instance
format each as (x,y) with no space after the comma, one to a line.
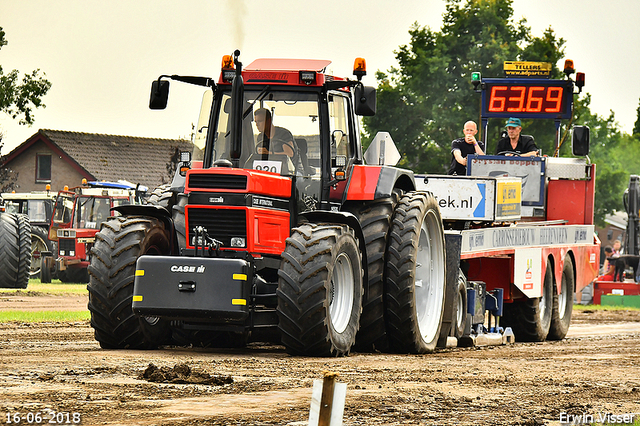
(547,317)
(415,275)
(320,289)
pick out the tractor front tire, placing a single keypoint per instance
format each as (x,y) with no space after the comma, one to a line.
(39,242)
(416,274)
(320,290)
(119,244)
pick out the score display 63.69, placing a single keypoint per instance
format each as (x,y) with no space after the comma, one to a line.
(527,98)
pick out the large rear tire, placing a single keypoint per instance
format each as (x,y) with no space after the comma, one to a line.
(163,196)
(179,221)
(24,246)
(320,290)
(563,303)
(119,244)
(9,250)
(15,250)
(375,219)
(530,320)
(416,271)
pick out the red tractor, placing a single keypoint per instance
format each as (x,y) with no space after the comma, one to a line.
(278,230)
(77,216)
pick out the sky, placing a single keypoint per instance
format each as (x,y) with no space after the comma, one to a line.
(101,56)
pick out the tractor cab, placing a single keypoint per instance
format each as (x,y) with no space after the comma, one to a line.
(77,216)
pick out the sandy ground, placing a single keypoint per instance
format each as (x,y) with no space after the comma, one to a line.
(59,371)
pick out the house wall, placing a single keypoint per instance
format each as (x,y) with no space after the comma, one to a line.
(610,230)
(62,172)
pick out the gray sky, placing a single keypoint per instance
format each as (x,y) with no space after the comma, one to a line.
(101,56)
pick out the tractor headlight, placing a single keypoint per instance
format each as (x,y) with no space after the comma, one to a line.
(66,233)
(238,242)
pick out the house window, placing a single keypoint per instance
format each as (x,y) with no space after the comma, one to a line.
(43,168)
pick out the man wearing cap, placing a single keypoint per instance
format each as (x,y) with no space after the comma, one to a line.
(515,143)
(462,147)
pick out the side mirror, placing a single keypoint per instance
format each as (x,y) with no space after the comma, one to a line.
(365,100)
(159,94)
(580,141)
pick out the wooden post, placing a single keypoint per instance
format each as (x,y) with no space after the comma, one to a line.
(326,401)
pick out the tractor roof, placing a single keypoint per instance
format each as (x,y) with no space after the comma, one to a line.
(279,64)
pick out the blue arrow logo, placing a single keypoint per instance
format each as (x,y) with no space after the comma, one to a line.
(479,211)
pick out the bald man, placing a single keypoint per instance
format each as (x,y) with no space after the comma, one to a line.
(464,146)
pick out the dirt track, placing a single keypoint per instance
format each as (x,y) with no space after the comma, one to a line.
(59,367)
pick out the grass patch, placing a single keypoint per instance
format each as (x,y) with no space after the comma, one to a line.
(56,287)
(44,316)
(603,308)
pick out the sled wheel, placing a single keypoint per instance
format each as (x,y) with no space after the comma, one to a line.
(530,320)
(563,303)
(460,307)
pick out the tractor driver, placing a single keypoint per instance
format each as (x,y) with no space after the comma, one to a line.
(272,139)
(515,143)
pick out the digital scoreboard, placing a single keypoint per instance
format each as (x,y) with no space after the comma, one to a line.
(527,98)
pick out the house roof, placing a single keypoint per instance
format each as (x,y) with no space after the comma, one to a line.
(617,219)
(111,157)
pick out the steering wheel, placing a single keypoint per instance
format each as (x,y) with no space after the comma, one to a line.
(259,145)
(509,152)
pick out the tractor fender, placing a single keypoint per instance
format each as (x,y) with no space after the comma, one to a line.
(149,210)
(376,182)
(346,218)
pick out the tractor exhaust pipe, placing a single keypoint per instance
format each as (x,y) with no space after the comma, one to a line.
(237,97)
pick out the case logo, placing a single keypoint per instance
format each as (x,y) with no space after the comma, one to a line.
(188,268)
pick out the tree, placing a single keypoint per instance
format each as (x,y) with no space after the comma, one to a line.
(636,126)
(8,177)
(426,100)
(18,99)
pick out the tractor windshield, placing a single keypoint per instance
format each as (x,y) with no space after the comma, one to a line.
(63,208)
(37,211)
(91,212)
(280,132)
